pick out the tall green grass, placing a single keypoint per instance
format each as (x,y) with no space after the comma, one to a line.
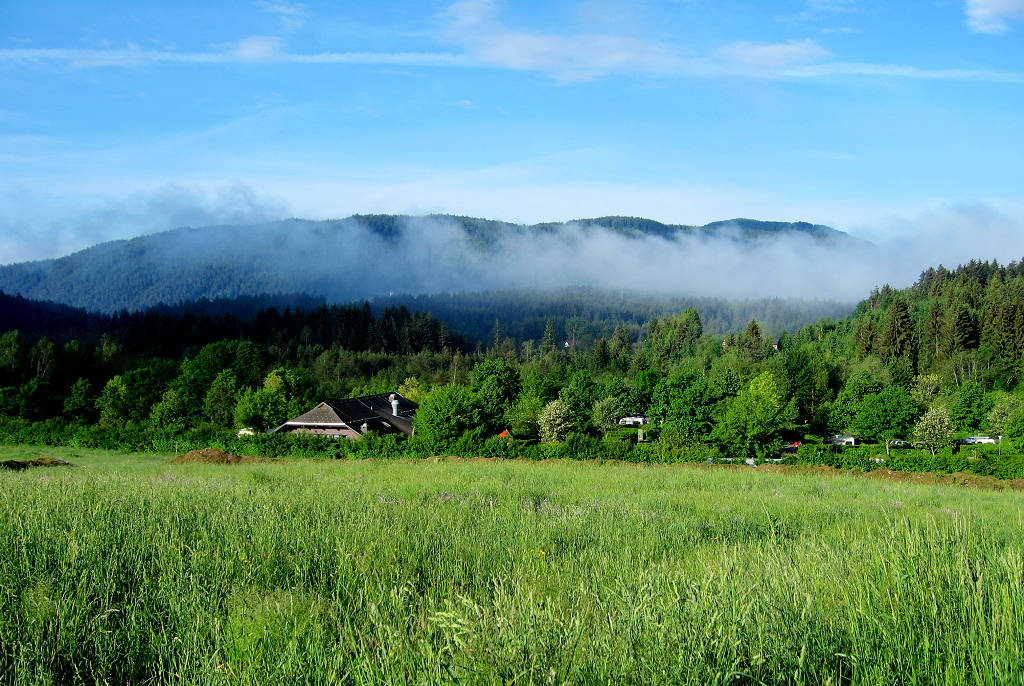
(125,569)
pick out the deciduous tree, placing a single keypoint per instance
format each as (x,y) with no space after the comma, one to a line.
(752,422)
(555,422)
(446,414)
(934,430)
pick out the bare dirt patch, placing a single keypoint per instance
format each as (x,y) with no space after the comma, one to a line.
(214,456)
(37,462)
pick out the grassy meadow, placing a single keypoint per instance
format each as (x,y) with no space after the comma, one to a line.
(125,569)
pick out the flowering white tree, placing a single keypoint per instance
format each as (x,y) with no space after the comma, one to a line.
(934,430)
(554,422)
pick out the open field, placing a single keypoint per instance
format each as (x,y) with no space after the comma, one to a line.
(126,569)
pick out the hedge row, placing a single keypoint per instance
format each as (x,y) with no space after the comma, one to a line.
(144,439)
(984,460)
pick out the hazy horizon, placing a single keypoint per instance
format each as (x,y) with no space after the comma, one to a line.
(345,259)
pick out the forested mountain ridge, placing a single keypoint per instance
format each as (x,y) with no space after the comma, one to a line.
(372,255)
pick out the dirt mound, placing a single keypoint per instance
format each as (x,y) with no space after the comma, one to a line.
(213,456)
(37,462)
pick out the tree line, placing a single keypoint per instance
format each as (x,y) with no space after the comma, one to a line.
(928,363)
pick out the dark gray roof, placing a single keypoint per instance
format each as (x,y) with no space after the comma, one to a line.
(373,410)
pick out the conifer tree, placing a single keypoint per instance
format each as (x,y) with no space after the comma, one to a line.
(897,338)
(751,342)
(600,356)
(930,338)
(864,337)
(959,334)
(547,343)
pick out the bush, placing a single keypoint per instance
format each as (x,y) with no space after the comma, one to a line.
(674,453)
(446,414)
(580,446)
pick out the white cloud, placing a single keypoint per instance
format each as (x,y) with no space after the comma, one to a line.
(831,5)
(948,234)
(903,71)
(258,48)
(769,58)
(247,50)
(989,16)
(293,15)
(580,59)
(483,40)
(475,26)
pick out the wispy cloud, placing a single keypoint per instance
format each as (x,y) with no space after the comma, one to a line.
(258,48)
(989,16)
(831,5)
(252,49)
(904,72)
(482,40)
(768,58)
(474,24)
(293,15)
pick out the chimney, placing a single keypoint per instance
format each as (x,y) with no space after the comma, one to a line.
(394,404)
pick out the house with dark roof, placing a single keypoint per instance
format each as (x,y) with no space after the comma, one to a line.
(385,413)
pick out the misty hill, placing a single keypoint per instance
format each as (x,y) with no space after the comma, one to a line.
(365,256)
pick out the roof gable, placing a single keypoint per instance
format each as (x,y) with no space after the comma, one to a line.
(374,412)
(321,414)
(366,407)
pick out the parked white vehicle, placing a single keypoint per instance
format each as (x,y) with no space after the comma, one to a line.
(976,440)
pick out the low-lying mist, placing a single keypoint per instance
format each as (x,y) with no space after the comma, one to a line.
(363,257)
(434,256)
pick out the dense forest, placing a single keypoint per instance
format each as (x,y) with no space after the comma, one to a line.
(939,360)
(583,314)
(587,314)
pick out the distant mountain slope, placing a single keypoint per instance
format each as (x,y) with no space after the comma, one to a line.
(371,255)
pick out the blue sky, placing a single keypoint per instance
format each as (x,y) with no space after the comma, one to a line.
(877,118)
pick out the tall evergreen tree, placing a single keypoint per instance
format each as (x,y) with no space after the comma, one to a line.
(547,343)
(864,337)
(959,333)
(897,339)
(930,340)
(751,342)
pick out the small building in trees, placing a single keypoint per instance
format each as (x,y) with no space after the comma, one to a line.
(385,413)
(637,420)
